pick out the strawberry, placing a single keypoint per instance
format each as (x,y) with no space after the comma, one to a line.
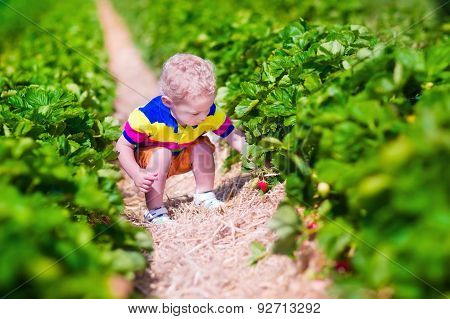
(323,189)
(342,266)
(262,185)
(311,225)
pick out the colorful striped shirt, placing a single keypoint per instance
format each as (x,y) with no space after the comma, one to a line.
(154,125)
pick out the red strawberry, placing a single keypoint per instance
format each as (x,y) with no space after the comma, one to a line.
(311,225)
(262,185)
(342,266)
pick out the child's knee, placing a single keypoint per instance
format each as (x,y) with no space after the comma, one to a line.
(202,156)
(203,147)
(160,160)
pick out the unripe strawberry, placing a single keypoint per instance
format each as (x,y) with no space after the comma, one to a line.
(428,85)
(323,189)
(262,185)
(411,118)
(254,183)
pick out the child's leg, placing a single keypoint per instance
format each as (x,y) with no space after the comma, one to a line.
(203,167)
(159,162)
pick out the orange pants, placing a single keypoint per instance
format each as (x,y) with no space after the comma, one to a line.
(181,163)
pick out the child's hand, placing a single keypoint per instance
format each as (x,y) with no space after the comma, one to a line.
(144,180)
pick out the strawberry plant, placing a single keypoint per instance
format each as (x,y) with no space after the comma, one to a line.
(363,145)
(60,208)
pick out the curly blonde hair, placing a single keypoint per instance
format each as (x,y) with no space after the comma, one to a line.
(186,76)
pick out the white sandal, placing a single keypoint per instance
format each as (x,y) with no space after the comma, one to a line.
(158,216)
(207,200)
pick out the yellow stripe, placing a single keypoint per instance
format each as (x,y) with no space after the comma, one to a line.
(139,122)
(213,122)
(163,133)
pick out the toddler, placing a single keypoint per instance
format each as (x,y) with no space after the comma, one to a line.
(167,136)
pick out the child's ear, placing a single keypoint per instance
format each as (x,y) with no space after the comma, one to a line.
(167,101)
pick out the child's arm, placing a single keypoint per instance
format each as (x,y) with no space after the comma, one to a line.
(236,139)
(226,130)
(141,177)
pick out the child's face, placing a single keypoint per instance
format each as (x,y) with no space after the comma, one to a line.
(191,112)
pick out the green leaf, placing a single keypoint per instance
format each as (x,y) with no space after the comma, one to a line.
(6,130)
(272,142)
(258,250)
(109,173)
(252,90)
(74,88)
(411,59)
(312,82)
(334,48)
(334,237)
(23,128)
(245,106)
(363,53)
(286,223)
(124,261)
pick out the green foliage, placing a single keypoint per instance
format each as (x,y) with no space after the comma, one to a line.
(402,194)
(256,51)
(13,24)
(45,251)
(259,252)
(287,224)
(229,32)
(62,235)
(381,148)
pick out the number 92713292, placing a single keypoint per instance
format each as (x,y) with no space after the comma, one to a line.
(293,307)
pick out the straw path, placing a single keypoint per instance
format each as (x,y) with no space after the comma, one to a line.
(204,254)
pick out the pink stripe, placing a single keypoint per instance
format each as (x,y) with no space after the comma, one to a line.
(223,127)
(169,145)
(144,140)
(135,136)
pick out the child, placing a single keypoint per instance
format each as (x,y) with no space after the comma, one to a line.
(166,136)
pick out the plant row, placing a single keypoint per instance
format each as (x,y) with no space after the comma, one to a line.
(61,232)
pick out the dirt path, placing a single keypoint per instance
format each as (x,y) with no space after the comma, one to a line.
(203,254)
